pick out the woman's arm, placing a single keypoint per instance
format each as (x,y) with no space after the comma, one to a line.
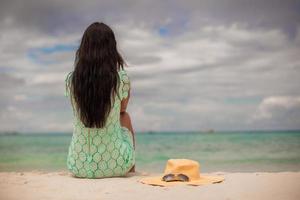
(124,103)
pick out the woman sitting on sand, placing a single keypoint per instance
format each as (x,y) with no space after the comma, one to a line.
(103,143)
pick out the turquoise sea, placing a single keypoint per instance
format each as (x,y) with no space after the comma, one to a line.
(220,151)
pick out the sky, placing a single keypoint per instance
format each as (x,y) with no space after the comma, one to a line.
(194,65)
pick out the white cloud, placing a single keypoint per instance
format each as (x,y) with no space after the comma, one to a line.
(277,105)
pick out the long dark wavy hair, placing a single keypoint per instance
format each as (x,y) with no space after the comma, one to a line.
(95,79)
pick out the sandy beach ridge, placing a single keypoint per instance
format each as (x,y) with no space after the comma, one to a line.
(61,185)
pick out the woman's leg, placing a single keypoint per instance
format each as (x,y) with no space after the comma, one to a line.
(126,121)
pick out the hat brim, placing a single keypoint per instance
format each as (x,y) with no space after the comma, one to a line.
(204,180)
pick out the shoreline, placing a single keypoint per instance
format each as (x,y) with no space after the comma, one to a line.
(156,169)
(39,184)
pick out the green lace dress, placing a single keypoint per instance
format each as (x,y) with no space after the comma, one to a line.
(102,152)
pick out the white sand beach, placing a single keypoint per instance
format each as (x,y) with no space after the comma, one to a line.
(61,185)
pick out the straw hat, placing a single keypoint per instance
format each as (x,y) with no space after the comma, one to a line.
(181,172)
